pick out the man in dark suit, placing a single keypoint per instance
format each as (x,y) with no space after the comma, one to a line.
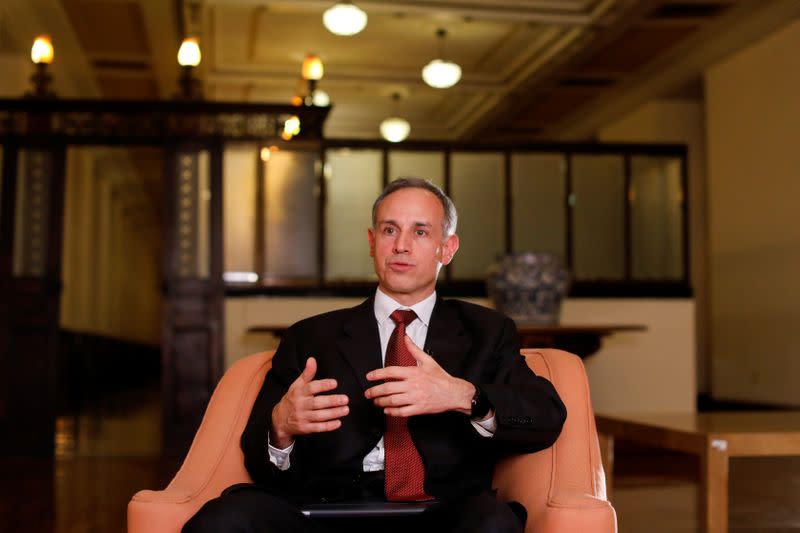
(353,409)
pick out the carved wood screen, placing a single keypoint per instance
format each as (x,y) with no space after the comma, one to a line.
(35,135)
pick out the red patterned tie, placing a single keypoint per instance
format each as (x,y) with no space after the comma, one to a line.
(405,473)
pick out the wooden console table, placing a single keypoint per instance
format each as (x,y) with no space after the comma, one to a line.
(714,437)
(580,340)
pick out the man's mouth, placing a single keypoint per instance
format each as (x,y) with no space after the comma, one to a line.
(400,266)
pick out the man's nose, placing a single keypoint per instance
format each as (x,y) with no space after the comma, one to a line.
(401,242)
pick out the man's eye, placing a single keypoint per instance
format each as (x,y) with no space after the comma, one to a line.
(388,230)
(421,232)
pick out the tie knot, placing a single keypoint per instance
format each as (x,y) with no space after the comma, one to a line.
(403,316)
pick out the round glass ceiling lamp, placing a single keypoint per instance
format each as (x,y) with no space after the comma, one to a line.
(441,74)
(344,18)
(395,129)
(320,98)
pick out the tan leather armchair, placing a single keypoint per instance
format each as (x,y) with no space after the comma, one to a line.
(563,487)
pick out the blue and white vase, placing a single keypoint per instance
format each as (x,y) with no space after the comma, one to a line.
(528,286)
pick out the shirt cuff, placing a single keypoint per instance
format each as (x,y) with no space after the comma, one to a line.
(280,457)
(485,428)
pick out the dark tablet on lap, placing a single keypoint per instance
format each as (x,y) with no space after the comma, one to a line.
(365,509)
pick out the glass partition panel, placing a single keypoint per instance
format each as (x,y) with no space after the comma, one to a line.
(656,199)
(428,165)
(291,214)
(239,211)
(353,179)
(477,190)
(538,189)
(597,201)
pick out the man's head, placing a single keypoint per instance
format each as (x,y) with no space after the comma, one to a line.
(412,236)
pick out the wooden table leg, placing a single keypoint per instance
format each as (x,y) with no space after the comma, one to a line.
(713,508)
(607,457)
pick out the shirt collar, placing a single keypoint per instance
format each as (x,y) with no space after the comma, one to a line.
(386,305)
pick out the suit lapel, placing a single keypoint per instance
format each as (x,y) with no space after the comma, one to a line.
(360,343)
(447,340)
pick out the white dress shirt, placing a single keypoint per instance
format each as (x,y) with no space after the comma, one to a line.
(418,331)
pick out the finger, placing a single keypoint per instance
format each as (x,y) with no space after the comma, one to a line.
(393,400)
(324,415)
(402,412)
(320,385)
(327,401)
(322,427)
(391,372)
(309,371)
(384,389)
(416,352)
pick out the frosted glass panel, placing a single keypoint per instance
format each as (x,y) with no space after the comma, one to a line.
(428,165)
(538,189)
(477,190)
(239,209)
(656,203)
(598,216)
(291,213)
(352,180)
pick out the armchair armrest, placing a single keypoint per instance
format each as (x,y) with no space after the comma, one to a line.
(562,487)
(215,460)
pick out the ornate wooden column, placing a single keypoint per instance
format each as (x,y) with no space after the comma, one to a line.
(30,283)
(192,347)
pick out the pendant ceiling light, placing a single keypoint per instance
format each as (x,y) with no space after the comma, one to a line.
(441,73)
(395,129)
(344,18)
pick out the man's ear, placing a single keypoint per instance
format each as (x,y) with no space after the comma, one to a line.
(371,239)
(449,249)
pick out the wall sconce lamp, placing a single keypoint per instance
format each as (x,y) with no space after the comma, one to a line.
(312,71)
(189,58)
(395,129)
(41,55)
(441,73)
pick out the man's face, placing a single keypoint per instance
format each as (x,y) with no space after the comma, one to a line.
(407,245)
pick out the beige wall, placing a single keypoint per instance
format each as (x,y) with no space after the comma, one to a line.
(110,266)
(753,122)
(680,121)
(650,371)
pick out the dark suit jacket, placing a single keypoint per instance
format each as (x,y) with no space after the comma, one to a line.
(469,341)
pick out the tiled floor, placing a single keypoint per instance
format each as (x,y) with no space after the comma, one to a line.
(110,449)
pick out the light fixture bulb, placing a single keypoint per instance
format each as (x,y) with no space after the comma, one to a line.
(189,53)
(344,18)
(395,129)
(441,74)
(320,98)
(312,68)
(292,125)
(42,50)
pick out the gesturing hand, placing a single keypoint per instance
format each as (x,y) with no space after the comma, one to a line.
(422,389)
(303,409)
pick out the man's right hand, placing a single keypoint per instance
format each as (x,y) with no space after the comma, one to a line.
(303,409)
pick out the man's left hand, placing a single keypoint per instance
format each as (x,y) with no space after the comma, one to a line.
(419,390)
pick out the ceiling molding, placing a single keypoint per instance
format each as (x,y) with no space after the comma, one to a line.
(747,22)
(546,12)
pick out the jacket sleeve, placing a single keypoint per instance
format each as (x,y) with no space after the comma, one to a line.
(286,367)
(528,410)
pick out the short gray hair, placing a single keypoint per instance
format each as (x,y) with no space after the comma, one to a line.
(450,215)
